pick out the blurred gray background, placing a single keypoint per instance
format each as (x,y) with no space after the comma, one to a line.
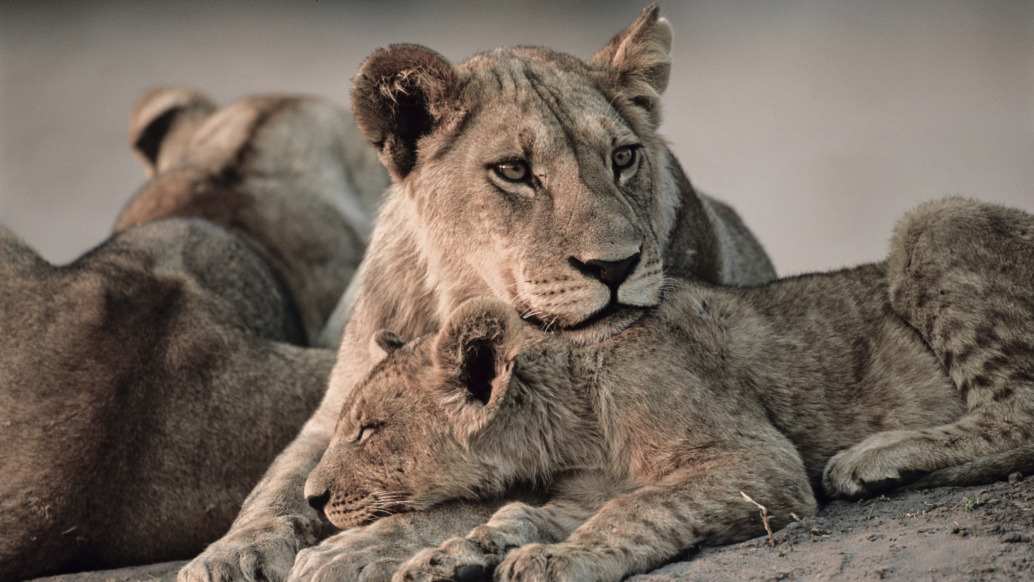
(820,121)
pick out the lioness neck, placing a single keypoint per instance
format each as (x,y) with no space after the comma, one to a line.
(399,290)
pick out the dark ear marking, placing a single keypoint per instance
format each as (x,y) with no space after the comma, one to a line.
(475,346)
(159,115)
(401,94)
(479,369)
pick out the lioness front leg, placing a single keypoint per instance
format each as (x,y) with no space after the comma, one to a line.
(374,552)
(642,530)
(476,555)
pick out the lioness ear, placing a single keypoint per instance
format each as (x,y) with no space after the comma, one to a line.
(473,353)
(163,121)
(401,94)
(384,343)
(641,55)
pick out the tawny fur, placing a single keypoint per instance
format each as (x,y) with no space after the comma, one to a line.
(145,387)
(453,227)
(849,383)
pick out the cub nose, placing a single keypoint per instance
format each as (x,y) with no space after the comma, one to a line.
(610,273)
(318,501)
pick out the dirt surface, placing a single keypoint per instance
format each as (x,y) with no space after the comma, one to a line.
(949,533)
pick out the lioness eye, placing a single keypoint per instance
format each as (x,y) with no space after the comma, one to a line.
(515,171)
(623,157)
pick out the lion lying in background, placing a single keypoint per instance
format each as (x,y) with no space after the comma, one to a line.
(145,387)
(850,382)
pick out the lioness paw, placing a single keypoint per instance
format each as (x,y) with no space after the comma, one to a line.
(230,560)
(350,556)
(457,559)
(553,563)
(326,563)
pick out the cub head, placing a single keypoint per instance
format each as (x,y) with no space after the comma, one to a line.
(533,176)
(441,417)
(291,176)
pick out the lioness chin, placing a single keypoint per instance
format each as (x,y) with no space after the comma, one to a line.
(524,174)
(850,382)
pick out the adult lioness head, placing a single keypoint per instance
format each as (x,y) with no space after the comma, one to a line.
(540,179)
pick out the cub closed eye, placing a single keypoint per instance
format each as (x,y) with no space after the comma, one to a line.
(512,171)
(366,431)
(623,157)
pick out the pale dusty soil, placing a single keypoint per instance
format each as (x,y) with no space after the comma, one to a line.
(950,533)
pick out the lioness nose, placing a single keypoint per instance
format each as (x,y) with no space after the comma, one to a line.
(610,273)
(318,502)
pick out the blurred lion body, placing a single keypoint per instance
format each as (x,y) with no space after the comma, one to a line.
(145,387)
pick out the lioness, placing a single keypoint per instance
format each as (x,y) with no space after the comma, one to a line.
(858,381)
(145,387)
(524,174)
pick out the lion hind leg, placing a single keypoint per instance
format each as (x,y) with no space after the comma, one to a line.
(996,467)
(997,439)
(962,274)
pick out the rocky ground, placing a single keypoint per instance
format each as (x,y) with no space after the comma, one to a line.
(950,533)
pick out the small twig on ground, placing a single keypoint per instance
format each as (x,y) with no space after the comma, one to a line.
(812,530)
(764,518)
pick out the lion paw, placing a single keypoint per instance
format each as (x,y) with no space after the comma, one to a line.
(553,563)
(873,466)
(230,559)
(344,558)
(457,559)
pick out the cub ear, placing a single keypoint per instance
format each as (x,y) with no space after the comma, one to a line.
(384,343)
(401,94)
(641,56)
(163,121)
(473,353)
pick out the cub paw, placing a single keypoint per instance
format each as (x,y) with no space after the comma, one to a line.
(871,467)
(457,559)
(553,563)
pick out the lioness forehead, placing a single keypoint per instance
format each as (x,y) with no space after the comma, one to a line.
(565,83)
(553,91)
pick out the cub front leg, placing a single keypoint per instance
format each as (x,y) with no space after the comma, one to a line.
(374,552)
(475,556)
(699,504)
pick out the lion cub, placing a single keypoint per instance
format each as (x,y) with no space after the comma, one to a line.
(858,380)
